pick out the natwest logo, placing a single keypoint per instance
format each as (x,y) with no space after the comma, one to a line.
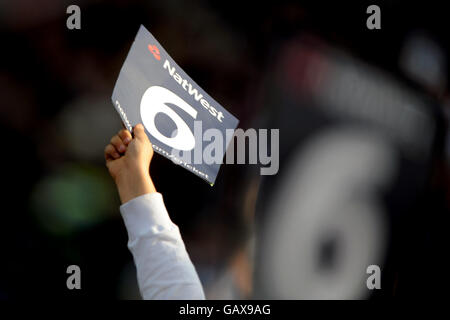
(155,51)
(186,85)
(193,92)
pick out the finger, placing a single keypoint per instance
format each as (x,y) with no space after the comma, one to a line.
(116,141)
(125,135)
(111,153)
(139,132)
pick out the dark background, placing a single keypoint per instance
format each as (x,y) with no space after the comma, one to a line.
(60,206)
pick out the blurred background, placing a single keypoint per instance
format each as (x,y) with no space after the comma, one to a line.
(364,154)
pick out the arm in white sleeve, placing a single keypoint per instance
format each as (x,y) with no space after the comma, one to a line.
(164,269)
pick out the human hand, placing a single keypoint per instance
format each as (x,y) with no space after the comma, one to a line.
(128,161)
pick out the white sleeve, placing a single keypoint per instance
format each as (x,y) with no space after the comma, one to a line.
(164,269)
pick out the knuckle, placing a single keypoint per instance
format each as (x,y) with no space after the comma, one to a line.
(115,140)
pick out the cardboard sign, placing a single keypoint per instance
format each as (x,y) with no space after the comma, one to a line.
(183,122)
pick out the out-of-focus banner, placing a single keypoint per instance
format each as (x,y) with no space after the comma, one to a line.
(356,150)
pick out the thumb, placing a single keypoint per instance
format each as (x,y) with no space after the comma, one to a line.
(139,132)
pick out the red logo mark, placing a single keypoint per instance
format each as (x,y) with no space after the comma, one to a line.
(155,51)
